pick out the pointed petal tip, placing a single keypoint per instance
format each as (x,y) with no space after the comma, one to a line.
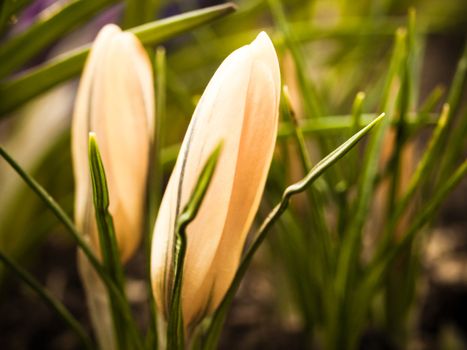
(110,28)
(262,45)
(262,39)
(264,51)
(263,36)
(127,37)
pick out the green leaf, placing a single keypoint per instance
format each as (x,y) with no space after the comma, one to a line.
(457,127)
(15,92)
(455,92)
(24,46)
(51,204)
(315,193)
(357,108)
(373,275)
(55,208)
(100,193)
(328,124)
(430,208)
(424,167)
(431,101)
(133,13)
(155,184)
(107,238)
(338,123)
(378,266)
(215,327)
(350,248)
(403,104)
(175,332)
(357,111)
(310,98)
(140,11)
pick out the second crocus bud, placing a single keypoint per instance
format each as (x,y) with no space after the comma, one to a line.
(240,108)
(115,101)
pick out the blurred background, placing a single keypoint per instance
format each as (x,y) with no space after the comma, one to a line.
(345,47)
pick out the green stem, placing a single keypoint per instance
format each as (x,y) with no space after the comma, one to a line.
(155,184)
(64,218)
(107,238)
(213,333)
(18,91)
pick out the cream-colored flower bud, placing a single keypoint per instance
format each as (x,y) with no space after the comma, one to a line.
(116,101)
(240,106)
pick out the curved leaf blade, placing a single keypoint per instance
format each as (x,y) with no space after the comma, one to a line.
(15,92)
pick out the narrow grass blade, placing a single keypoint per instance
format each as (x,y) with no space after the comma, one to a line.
(290,244)
(213,333)
(329,124)
(24,46)
(401,131)
(455,141)
(337,124)
(432,100)
(105,225)
(298,133)
(155,183)
(430,208)
(140,11)
(424,167)
(396,286)
(310,97)
(357,110)
(68,223)
(107,238)
(378,266)
(49,299)
(133,13)
(175,328)
(53,206)
(350,248)
(314,194)
(311,101)
(455,91)
(15,92)
(156,177)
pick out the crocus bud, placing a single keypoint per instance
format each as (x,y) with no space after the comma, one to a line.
(240,108)
(115,101)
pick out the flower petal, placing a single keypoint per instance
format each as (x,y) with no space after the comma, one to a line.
(81,127)
(115,101)
(240,107)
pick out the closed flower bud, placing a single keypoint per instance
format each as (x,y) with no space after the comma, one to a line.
(115,101)
(240,108)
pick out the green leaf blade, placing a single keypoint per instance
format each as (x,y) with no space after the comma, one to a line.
(213,333)
(18,91)
(21,48)
(175,328)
